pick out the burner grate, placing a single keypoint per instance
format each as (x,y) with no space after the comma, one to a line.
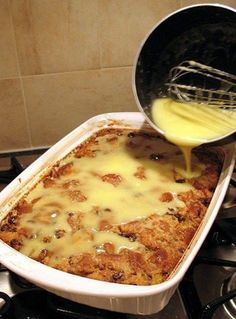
(8,175)
(6,310)
(189,294)
(18,162)
(229,285)
(218,237)
(36,303)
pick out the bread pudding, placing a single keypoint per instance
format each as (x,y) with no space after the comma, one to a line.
(118,208)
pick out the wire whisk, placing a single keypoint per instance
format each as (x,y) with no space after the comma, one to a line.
(194,82)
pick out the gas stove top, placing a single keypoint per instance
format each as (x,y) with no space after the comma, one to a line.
(208,290)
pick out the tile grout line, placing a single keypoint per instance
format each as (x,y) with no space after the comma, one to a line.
(75,71)
(65,72)
(26,111)
(99,35)
(9,77)
(20,77)
(14,38)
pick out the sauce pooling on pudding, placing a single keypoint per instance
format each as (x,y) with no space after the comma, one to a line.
(188,125)
(115,209)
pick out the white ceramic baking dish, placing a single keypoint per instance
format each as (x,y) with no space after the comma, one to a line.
(105,295)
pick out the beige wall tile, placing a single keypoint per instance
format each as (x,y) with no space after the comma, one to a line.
(58,103)
(13,125)
(56,35)
(8,61)
(125,23)
(231,3)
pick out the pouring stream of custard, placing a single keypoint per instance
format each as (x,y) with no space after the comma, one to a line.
(188,125)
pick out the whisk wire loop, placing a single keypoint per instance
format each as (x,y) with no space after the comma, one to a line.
(194,82)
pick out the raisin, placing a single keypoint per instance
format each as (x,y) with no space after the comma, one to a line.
(117,275)
(59,233)
(131,134)
(156,157)
(180,180)
(16,244)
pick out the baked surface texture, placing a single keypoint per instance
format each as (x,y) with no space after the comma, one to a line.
(119,208)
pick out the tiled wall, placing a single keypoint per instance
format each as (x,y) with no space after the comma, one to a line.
(64,61)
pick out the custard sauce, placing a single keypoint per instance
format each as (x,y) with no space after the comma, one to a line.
(188,125)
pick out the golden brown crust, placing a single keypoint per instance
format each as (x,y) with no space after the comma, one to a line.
(113,179)
(140,173)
